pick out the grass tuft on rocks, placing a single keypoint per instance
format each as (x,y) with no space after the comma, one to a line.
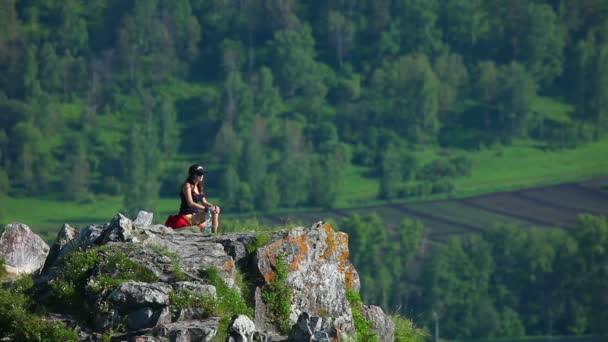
(277,297)
(362,325)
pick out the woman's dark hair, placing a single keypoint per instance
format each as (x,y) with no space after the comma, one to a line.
(196,169)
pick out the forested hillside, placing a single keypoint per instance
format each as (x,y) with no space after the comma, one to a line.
(506,282)
(279,97)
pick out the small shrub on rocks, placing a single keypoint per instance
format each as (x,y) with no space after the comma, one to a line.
(277,297)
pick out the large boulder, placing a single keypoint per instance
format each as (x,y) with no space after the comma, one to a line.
(132,295)
(23,251)
(319,271)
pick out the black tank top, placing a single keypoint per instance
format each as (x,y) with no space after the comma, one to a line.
(184,208)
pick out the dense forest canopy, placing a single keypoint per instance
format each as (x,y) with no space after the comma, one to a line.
(279,96)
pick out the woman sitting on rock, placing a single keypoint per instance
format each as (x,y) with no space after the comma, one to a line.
(195,210)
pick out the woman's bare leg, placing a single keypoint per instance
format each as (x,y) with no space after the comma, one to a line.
(216,222)
(197,218)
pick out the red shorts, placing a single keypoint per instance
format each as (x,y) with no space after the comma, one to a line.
(177,221)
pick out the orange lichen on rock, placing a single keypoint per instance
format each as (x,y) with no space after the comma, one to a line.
(349,277)
(269,253)
(331,241)
(229,265)
(269,276)
(343,252)
(300,243)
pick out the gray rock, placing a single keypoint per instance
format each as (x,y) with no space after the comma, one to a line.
(189,314)
(147,318)
(86,238)
(23,251)
(196,288)
(241,329)
(260,310)
(190,331)
(310,328)
(104,321)
(119,229)
(235,244)
(133,295)
(381,323)
(65,235)
(197,251)
(143,219)
(319,271)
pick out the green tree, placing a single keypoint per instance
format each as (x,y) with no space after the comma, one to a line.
(453,78)
(404,243)
(390,172)
(341,34)
(169,132)
(31,82)
(142,159)
(293,169)
(404,97)
(419,29)
(267,198)
(267,102)
(77,179)
(514,104)
(230,184)
(464,24)
(244,200)
(50,69)
(543,46)
(487,89)
(253,164)
(301,78)
(226,145)
(592,237)
(456,282)
(72,35)
(592,80)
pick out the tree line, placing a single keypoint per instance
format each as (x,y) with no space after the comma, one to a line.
(505,282)
(279,97)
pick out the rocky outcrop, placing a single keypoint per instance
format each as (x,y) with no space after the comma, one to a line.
(147,277)
(319,271)
(23,251)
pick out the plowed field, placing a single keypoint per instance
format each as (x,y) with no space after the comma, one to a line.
(554,206)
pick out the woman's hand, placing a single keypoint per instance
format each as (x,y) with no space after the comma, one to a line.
(216,209)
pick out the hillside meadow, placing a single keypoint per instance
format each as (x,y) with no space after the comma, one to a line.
(493,169)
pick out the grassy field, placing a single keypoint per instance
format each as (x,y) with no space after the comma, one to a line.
(506,168)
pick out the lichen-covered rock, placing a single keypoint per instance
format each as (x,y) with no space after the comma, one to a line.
(196,288)
(23,251)
(319,271)
(382,325)
(197,251)
(241,329)
(190,331)
(132,295)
